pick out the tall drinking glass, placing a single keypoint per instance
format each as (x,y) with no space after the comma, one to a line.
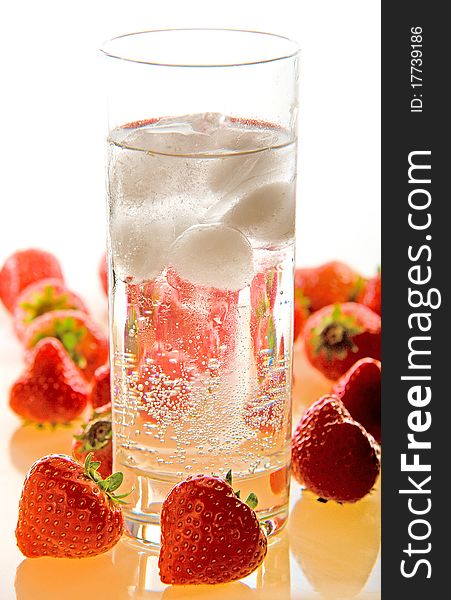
(201,209)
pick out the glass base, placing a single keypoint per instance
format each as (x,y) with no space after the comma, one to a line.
(147,533)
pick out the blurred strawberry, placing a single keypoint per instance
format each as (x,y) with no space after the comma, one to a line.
(82,338)
(103,273)
(41,297)
(23,268)
(96,436)
(370,295)
(338,335)
(360,391)
(51,389)
(327,284)
(100,394)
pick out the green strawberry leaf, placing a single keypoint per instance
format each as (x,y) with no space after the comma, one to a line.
(228,477)
(108,485)
(112,482)
(252,500)
(358,287)
(301,299)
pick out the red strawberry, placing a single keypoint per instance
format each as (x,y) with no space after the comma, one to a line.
(371,294)
(338,335)
(101,389)
(21,269)
(103,273)
(51,389)
(96,437)
(360,391)
(208,535)
(82,338)
(327,284)
(67,510)
(41,297)
(333,455)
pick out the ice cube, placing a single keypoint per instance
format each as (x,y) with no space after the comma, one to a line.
(248,166)
(266,215)
(207,122)
(173,140)
(186,134)
(139,245)
(136,177)
(141,237)
(213,256)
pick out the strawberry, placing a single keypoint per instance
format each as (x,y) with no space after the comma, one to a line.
(370,295)
(51,389)
(82,338)
(40,297)
(332,455)
(67,510)
(337,336)
(327,284)
(101,389)
(103,273)
(25,267)
(208,535)
(360,391)
(95,436)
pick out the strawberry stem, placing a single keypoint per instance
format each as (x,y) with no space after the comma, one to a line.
(96,434)
(108,485)
(335,333)
(70,334)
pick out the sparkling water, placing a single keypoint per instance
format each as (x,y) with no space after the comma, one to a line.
(202,248)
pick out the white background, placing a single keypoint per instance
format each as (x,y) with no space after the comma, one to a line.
(53,120)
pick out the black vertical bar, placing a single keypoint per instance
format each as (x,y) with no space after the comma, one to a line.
(415,125)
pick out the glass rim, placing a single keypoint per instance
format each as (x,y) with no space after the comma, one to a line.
(295,49)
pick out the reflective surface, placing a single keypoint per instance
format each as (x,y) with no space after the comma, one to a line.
(327,551)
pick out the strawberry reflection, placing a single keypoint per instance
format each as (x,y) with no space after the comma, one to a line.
(336,545)
(130,573)
(28,443)
(106,576)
